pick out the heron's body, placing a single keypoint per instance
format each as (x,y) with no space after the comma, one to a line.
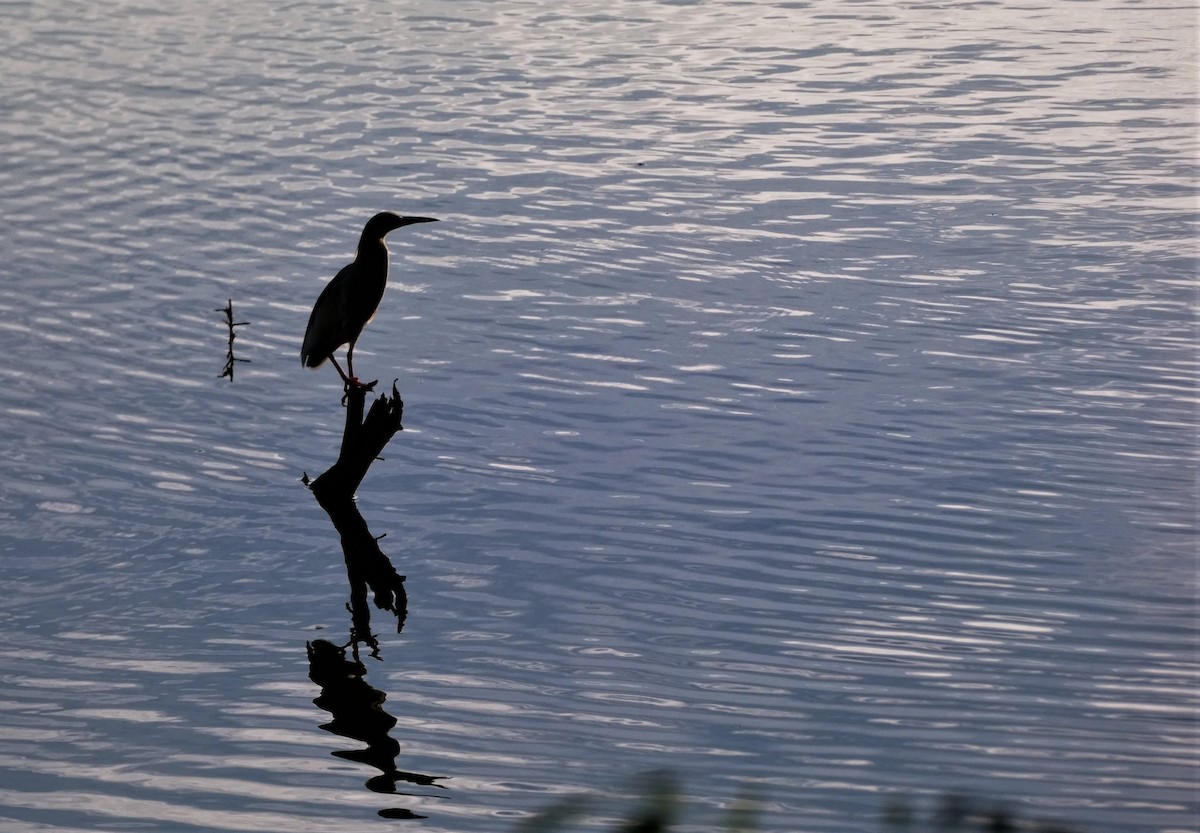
(349,301)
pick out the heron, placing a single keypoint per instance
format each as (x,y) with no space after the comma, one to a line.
(349,301)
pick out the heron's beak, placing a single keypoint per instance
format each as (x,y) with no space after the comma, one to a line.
(408,221)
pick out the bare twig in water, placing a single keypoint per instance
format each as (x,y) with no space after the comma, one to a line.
(230,358)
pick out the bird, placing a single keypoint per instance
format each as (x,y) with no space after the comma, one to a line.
(349,301)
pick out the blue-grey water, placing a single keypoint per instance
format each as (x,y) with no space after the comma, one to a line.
(800,398)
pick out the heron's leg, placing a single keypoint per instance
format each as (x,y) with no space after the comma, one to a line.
(338,367)
(350,359)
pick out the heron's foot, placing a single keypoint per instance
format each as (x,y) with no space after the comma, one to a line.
(353,383)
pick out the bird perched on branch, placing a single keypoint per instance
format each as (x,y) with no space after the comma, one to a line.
(349,301)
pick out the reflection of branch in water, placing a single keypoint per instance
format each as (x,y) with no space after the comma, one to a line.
(229,357)
(357,707)
(358,713)
(368,569)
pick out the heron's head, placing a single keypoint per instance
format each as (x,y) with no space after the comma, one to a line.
(386,221)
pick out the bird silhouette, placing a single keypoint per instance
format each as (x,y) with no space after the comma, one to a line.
(350,300)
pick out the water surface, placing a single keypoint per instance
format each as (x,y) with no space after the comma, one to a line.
(799,397)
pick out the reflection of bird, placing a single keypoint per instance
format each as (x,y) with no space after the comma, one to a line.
(349,301)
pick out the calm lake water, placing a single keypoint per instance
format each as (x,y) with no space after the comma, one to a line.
(800,398)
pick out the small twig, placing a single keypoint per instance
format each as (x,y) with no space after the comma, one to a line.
(230,358)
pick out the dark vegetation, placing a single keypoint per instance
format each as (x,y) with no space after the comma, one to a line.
(660,810)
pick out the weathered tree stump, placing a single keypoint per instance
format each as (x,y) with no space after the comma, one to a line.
(366,565)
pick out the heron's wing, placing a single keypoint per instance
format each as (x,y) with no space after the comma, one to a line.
(327,325)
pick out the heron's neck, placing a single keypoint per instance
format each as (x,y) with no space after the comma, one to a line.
(371,251)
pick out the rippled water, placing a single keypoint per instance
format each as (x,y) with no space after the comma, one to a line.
(800,397)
